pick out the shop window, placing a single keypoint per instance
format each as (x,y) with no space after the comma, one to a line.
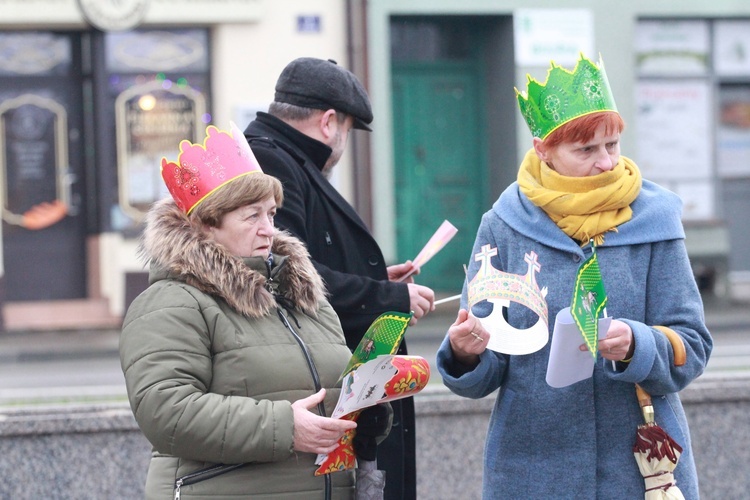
(158,85)
(693,121)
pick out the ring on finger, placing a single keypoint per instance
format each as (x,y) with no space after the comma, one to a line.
(476,336)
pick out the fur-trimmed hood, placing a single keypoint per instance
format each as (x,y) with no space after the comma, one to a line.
(179,250)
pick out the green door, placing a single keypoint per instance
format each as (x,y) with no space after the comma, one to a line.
(440,165)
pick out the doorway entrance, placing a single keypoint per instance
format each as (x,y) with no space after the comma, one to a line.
(440,165)
(42,167)
(448,122)
(85,118)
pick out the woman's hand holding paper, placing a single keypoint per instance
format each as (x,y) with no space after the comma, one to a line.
(468,338)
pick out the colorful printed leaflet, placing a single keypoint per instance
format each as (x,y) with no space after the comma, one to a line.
(442,236)
(383,337)
(385,378)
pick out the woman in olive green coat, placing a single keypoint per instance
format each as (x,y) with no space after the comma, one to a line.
(232,355)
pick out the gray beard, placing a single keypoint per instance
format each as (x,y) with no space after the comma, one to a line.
(327,170)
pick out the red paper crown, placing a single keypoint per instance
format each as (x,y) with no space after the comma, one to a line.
(202,169)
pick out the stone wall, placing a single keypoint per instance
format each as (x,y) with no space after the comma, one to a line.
(451,432)
(97,451)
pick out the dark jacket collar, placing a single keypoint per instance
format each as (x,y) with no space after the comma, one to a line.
(309,153)
(315,150)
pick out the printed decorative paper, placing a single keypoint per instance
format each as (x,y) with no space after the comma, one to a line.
(385,378)
(382,379)
(442,236)
(500,289)
(383,337)
(589,300)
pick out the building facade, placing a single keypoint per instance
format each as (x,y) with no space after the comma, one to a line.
(94,93)
(448,131)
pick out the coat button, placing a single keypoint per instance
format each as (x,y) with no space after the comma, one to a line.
(576,258)
(373,260)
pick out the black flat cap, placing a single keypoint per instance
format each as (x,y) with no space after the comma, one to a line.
(322,84)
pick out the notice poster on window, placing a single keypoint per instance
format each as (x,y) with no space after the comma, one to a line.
(732,48)
(560,35)
(733,132)
(672,47)
(697,199)
(674,134)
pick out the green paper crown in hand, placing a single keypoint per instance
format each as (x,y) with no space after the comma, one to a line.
(382,337)
(565,96)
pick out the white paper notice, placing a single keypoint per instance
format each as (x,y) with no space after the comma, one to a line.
(567,363)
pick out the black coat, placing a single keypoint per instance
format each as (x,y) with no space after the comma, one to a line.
(348,258)
(342,247)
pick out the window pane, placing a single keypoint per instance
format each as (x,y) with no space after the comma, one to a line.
(34,54)
(157,51)
(671,48)
(429,40)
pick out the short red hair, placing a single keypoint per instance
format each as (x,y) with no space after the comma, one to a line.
(583,129)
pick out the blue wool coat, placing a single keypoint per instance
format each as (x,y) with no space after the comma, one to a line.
(577,441)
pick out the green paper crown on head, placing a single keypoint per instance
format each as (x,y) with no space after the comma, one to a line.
(565,96)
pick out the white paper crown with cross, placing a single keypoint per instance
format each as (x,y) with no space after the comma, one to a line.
(500,288)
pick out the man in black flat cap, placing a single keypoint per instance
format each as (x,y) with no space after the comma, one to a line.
(299,141)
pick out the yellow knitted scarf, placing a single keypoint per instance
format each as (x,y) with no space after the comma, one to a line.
(584,208)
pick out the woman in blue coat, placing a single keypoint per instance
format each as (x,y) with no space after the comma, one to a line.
(574,192)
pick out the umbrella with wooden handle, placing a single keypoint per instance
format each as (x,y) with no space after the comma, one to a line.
(655,451)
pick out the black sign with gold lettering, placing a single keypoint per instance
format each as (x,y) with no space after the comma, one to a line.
(151,122)
(34,159)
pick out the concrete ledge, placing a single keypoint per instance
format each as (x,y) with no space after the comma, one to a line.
(97,451)
(82,452)
(451,433)
(718,410)
(68,419)
(59,315)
